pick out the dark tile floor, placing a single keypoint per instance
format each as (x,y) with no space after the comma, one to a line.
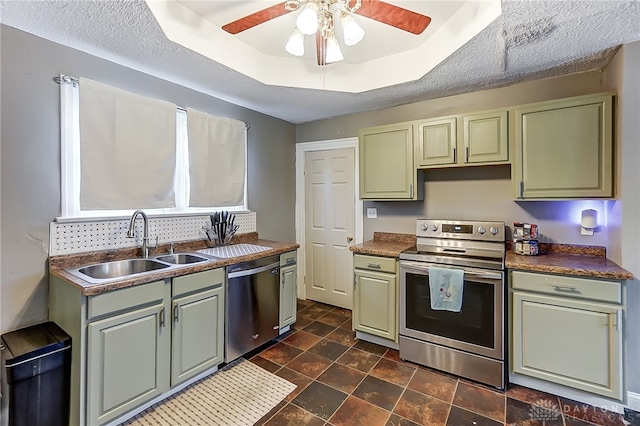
(345,381)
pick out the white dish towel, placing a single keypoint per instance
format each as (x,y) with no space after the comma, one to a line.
(445,287)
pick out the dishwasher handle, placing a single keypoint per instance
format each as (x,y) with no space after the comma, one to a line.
(243,273)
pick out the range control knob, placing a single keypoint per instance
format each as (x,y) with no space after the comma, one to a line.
(493,230)
(424,227)
(434,227)
(481,230)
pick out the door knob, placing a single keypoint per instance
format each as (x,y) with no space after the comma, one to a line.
(349,238)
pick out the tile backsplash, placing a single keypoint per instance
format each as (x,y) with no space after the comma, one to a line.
(78,237)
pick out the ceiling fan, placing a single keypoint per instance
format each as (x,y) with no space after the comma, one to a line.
(327,50)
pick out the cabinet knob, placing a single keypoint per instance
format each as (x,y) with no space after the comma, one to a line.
(349,238)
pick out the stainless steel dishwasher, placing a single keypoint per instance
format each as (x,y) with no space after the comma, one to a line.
(253,305)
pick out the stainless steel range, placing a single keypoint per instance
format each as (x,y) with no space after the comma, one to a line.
(468,342)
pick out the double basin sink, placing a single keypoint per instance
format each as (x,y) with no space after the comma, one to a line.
(120,269)
(101,273)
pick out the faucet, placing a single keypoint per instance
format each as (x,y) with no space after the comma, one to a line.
(145,236)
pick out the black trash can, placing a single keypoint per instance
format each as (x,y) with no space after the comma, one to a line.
(37,360)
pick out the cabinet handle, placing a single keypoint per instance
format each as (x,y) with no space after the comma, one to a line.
(161,318)
(466,154)
(373,266)
(520,189)
(454,155)
(410,190)
(355,280)
(176,312)
(565,288)
(290,261)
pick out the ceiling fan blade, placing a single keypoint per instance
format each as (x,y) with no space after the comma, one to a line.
(321,49)
(257,18)
(395,16)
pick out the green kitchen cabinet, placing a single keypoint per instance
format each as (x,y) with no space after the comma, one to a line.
(133,345)
(387,170)
(127,361)
(556,317)
(437,142)
(466,139)
(375,296)
(564,148)
(485,138)
(197,341)
(288,289)
(127,356)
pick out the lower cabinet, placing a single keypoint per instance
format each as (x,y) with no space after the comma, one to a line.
(197,339)
(568,330)
(134,344)
(126,363)
(375,296)
(288,289)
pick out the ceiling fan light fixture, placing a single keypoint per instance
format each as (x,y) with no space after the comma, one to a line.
(334,54)
(353,32)
(307,21)
(295,45)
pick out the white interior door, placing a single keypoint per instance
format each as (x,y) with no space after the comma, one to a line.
(329,225)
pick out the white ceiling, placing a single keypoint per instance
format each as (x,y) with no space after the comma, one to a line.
(386,56)
(530,40)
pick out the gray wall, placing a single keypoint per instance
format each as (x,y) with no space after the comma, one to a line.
(30,161)
(485,192)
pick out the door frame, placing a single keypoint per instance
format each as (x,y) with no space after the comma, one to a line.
(301,149)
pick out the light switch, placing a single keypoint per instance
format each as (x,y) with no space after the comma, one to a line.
(372,213)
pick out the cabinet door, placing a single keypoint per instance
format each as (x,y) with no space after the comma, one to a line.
(573,343)
(386,163)
(564,148)
(485,137)
(288,295)
(374,308)
(127,362)
(436,143)
(198,333)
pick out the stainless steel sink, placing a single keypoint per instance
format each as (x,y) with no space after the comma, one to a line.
(121,268)
(182,258)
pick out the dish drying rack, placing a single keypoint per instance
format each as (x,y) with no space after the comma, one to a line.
(221,230)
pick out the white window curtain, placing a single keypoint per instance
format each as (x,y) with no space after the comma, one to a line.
(127,149)
(216,160)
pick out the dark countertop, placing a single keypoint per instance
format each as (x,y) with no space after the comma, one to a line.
(385,244)
(58,264)
(568,264)
(586,261)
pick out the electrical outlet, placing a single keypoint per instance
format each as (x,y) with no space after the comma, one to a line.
(372,213)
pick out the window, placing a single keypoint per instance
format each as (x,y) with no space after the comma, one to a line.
(71,165)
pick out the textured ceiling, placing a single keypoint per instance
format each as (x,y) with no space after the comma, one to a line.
(531,40)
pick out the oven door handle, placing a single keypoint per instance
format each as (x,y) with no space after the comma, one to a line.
(421,266)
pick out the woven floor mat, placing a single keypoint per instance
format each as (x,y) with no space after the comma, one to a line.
(239,394)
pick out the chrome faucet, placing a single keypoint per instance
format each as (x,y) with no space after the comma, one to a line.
(145,237)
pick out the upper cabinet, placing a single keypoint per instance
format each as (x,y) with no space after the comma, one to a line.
(485,137)
(564,148)
(436,143)
(387,170)
(558,149)
(471,139)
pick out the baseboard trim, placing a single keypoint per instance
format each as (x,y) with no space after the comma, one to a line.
(566,392)
(633,401)
(376,339)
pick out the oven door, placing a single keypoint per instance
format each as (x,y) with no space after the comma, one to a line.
(477,328)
